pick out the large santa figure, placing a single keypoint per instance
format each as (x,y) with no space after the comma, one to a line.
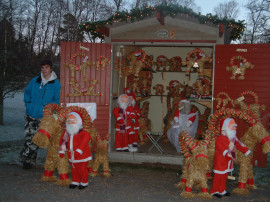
(134,133)
(225,147)
(75,141)
(124,115)
(184,119)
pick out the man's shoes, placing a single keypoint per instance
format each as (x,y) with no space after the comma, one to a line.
(72,186)
(27,166)
(217,195)
(227,194)
(82,187)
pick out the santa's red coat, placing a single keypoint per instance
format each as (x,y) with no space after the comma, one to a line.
(78,147)
(223,163)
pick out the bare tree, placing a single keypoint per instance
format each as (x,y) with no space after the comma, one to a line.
(185,3)
(258,27)
(227,10)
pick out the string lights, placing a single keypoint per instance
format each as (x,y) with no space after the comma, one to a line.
(138,14)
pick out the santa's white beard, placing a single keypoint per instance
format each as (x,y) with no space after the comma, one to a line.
(73,129)
(186,109)
(231,134)
(123,106)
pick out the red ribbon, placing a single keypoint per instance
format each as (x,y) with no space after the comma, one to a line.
(64,176)
(44,132)
(48,173)
(106,171)
(184,180)
(200,155)
(250,181)
(241,185)
(203,190)
(208,174)
(266,139)
(188,189)
(90,170)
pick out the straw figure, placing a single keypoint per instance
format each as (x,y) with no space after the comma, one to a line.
(175,63)
(239,65)
(48,137)
(173,92)
(196,167)
(148,62)
(136,59)
(202,87)
(159,88)
(255,107)
(255,134)
(101,157)
(144,123)
(196,59)
(161,63)
(223,99)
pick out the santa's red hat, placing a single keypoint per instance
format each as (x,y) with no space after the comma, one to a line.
(184,100)
(126,90)
(132,95)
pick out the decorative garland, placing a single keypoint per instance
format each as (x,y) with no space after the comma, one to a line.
(138,14)
(228,112)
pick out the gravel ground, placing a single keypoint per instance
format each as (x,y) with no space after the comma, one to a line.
(128,183)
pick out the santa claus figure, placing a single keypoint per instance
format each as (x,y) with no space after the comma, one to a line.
(124,115)
(225,147)
(184,119)
(134,135)
(76,142)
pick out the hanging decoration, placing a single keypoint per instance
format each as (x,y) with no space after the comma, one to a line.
(136,59)
(196,59)
(78,90)
(239,65)
(101,62)
(89,85)
(223,99)
(161,63)
(159,88)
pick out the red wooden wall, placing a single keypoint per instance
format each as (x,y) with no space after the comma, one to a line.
(256,80)
(74,53)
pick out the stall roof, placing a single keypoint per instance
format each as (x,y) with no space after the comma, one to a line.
(181,24)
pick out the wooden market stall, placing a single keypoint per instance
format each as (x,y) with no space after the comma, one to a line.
(153,55)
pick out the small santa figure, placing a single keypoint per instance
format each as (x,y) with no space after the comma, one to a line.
(75,141)
(225,147)
(184,119)
(124,115)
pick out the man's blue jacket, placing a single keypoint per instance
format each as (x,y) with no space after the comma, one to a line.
(37,95)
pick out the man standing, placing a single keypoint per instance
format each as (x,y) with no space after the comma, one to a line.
(225,147)
(42,90)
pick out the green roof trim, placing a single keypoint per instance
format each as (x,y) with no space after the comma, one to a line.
(138,14)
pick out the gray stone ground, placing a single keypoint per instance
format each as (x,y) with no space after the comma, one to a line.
(128,183)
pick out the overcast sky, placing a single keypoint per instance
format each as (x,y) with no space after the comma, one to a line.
(207,6)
